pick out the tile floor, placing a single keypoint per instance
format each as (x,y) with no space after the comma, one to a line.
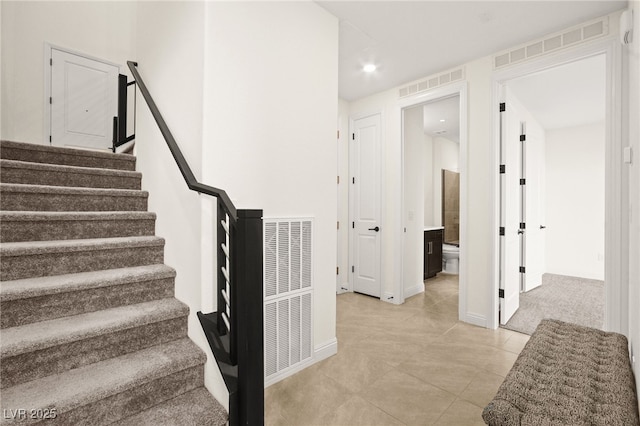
(413,364)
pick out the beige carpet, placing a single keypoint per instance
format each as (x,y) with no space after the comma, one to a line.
(570,299)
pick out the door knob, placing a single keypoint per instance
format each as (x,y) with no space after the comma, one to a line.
(374,229)
(542,227)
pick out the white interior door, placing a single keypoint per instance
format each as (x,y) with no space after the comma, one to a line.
(365,206)
(510,212)
(84,95)
(534,148)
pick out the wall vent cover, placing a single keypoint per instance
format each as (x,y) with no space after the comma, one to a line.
(552,43)
(432,82)
(288,290)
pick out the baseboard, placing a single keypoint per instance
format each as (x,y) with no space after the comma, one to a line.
(388,297)
(476,319)
(321,352)
(325,350)
(413,290)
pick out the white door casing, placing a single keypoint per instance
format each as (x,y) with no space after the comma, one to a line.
(365,211)
(616,194)
(83,100)
(510,128)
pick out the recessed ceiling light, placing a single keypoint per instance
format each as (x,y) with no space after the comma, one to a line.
(443,120)
(369,68)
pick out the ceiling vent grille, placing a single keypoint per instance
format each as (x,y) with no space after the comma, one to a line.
(288,289)
(553,43)
(432,82)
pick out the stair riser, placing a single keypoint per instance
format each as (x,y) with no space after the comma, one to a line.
(19,201)
(70,262)
(60,178)
(127,403)
(64,158)
(49,230)
(131,401)
(26,311)
(34,365)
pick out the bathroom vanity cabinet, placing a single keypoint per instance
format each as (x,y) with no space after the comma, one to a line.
(433,239)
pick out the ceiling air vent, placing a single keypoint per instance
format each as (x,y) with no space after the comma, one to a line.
(431,82)
(552,43)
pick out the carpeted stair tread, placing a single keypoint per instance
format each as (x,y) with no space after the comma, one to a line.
(41,258)
(68,156)
(40,247)
(45,334)
(30,300)
(70,190)
(194,408)
(91,383)
(18,226)
(66,198)
(42,286)
(25,172)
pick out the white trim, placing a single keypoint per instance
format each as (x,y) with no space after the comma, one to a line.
(320,353)
(616,194)
(352,120)
(460,89)
(413,290)
(477,319)
(47,55)
(387,296)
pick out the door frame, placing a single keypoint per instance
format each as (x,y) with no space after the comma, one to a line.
(47,75)
(460,89)
(352,120)
(616,193)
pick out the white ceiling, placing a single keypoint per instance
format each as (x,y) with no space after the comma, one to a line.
(565,96)
(413,39)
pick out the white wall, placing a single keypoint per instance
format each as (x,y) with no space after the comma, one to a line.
(171,44)
(101,29)
(270,109)
(446,154)
(429,188)
(575,201)
(415,155)
(632,131)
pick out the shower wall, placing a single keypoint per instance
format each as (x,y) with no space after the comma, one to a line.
(451,206)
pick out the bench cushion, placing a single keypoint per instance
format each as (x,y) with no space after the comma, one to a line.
(568,374)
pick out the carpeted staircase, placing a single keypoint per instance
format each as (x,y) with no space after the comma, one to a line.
(90,331)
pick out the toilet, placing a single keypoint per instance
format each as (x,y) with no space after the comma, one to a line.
(450,258)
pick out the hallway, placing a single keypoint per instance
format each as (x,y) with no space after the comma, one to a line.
(408,364)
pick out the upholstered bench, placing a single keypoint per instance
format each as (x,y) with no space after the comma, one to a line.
(568,375)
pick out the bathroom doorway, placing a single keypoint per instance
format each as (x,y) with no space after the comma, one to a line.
(564,119)
(433,165)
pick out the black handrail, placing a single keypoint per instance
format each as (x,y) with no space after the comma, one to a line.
(187,174)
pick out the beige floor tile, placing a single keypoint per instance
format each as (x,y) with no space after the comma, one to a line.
(306,402)
(516,342)
(354,369)
(391,348)
(482,388)
(399,364)
(407,398)
(446,375)
(461,413)
(447,349)
(468,333)
(358,412)
(501,362)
